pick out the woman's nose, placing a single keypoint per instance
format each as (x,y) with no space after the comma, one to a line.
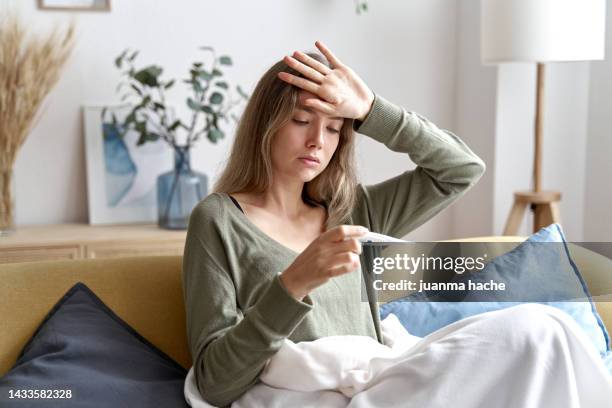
(316,136)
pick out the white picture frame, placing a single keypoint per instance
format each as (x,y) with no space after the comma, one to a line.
(76,5)
(121,176)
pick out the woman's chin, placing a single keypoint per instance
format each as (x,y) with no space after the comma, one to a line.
(307,174)
(314,173)
(304,174)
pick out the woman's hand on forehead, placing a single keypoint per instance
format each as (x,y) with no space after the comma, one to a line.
(341,92)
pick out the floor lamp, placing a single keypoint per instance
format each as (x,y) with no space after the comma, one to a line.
(540,31)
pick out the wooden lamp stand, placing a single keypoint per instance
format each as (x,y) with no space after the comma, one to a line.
(544,204)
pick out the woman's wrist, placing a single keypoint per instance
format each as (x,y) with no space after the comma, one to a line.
(368,106)
(288,284)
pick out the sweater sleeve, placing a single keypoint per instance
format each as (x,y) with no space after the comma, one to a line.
(446,169)
(229,346)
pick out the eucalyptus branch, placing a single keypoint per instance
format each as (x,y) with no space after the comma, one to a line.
(230,106)
(162,99)
(201,98)
(361,6)
(161,130)
(150,116)
(205,129)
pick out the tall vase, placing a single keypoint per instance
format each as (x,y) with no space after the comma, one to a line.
(178,191)
(7,201)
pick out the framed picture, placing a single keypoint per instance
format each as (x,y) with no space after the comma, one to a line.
(121,176)
(83,5)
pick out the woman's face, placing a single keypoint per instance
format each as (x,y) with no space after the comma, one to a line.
(308,133)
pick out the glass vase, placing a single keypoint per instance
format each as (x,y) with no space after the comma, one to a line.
(7,202)
(178,191)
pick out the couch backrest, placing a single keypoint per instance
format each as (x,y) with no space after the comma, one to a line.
(146,292)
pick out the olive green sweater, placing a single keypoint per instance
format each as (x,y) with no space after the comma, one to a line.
(238,311)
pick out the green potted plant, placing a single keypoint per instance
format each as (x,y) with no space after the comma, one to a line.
(210,101)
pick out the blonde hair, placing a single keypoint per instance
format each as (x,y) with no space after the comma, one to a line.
(249,167)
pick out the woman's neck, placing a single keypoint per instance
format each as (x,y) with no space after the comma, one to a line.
(285,201)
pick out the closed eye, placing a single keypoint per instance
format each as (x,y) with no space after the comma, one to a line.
(302,123)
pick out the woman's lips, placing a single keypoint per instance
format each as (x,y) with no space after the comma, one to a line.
(309,162)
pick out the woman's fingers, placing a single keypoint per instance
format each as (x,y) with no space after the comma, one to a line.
(311,62)
(333,60)
(299,82)
(342,263)
(320,105)
(304,69)
(341,232)
(348,245)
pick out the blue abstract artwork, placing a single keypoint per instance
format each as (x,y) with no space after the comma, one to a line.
(131,171)
(120,169)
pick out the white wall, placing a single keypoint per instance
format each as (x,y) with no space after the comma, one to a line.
(598,180)
(475,116)
(404,50)
(513,138)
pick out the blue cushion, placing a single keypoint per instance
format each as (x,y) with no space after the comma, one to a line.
(84,347)
(420,316)
(608,361)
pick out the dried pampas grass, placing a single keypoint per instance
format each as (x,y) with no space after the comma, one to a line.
(29,68)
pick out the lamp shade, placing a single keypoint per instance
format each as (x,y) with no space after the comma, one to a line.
(542,30)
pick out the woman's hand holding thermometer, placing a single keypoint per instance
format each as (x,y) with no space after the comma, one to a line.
(333,253)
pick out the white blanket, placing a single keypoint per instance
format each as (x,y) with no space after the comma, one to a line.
(524,356)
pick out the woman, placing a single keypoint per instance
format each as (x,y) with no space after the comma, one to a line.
(273,252)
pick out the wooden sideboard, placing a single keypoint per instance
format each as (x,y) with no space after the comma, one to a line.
(78,241)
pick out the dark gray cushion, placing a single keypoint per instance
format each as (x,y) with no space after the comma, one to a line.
(84,347)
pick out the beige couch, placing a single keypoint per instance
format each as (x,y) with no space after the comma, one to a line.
(146,292)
